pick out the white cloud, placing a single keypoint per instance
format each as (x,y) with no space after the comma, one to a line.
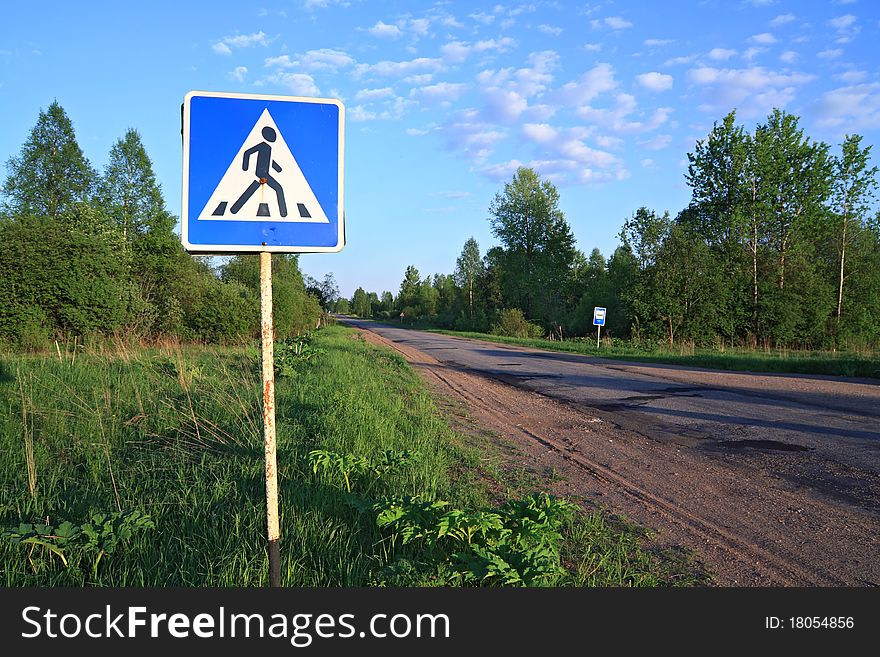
(541,133)
(504,105)
(419,80)
(654,81)
(761,3)
(225,45)
(324,59)
(846,27)
(442,92)
(549,29)
(417,132)
(765,38)
(384,30)
(541,112)
(750,78)
(789,57)
(507,91)
(658,43)
(852,76)
(752,52)
(592,47)
(502,171)
(607,141)
(850,109)
(591,176)
(474,138)
(843,23)
(483,18)
(587,166)
(515,11)
(323,4)
(719,54)
(687,59)
(282,61)
(647,162)
(617,23)
(419,26)
(656,143)
(618,118)
(399,69)
(299,84)
(358,113)
(239,73)
(753,91)
(533,79)
(831,53)
(449,21)
(367,95)
(782,19)
(578,151)
(590,84)
(393,108)
(493,77)
(247,40)
(457,52)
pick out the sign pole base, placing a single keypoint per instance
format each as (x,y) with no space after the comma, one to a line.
(267,332)
(598,333)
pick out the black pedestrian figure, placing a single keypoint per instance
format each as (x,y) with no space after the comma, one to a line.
(264,159)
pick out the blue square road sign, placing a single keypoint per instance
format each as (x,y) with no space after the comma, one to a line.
(262,173)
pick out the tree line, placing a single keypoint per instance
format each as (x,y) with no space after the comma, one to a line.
(779,246)
(96,253)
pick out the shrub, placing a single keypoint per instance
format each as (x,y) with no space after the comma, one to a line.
(227,311)
(513,323)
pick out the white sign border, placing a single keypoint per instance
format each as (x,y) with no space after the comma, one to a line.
(227,249)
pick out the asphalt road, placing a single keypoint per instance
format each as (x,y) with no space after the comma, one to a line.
(814,431)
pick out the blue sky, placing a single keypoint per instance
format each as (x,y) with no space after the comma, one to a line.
(444,100)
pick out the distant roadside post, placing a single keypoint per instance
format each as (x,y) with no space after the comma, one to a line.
(263,174)
(599,321)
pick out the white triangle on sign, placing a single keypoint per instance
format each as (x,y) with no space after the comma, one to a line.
(241,196)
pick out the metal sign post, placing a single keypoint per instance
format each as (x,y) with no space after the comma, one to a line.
(267,334)
(290,150)
(599,321)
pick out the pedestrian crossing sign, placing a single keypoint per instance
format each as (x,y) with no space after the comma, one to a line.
(262,173)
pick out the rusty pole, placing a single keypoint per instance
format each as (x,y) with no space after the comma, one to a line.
(267,335)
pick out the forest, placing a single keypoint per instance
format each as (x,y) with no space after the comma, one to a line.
(779,247)
(96,254)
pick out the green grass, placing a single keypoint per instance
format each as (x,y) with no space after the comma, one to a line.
(735,359)
(176,433)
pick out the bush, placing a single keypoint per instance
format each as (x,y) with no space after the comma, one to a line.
(58,277)
(25,327)
(226,312)
(512,323)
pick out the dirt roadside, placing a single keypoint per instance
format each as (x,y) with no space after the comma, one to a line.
(747,526)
